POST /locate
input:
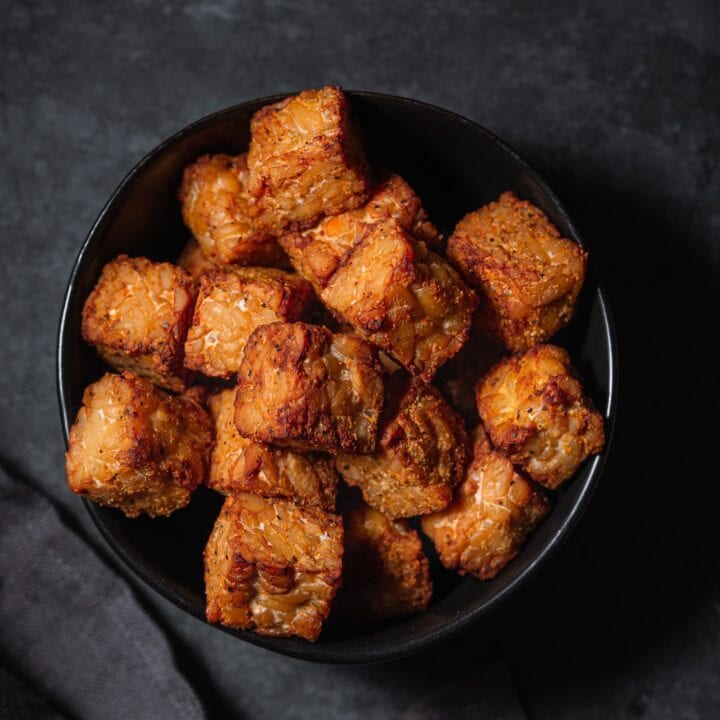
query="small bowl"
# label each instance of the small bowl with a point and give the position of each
(455, 166)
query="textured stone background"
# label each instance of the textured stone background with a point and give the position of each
(617, 104)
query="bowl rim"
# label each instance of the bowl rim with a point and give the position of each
(415, 643)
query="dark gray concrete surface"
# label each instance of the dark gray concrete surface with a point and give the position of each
(617, 105)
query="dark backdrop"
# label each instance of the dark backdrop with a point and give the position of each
(616, 104)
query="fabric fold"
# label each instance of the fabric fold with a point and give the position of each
(72, 629)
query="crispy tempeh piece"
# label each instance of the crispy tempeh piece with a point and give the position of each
(137, 448)
(305, 161)
(494, 511)
(421, 455)
(391, 289)
(231, 303)
(318, 253)
(137, 317)
(385, 571)
(528, 277)
(216, 209)
(272, 566)
(302, 387)
(538, 415)
(392, 197)
(242, 465)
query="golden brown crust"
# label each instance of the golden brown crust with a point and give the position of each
(272, 566)
(194, 260)
(319, 252)
(391, 289)
(393, 198)
(137, 317)
(421, 455)
(231, 303)
(216, 209)
(137, 448)
(494, 511)
(538, 415)
(242, 465)
(305, 161)
(302, 387)
(385, 572)
(527, 275)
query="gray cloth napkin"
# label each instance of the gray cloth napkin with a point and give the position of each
(19, 702)
(73, 640)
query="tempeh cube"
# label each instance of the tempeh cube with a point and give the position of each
(216, 209)
(527, 275)
(137, 448)
(302, 387)
(393, 198)
(239, 464)
(394, 292)
(421, 454)
(272, 566)
(231, 303)
(137, 318)
(385, 571)
(538, 415)
(318, 253)
(305, 161)
(403, 298)
(494, 511)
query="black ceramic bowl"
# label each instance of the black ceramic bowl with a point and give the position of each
(455, 166)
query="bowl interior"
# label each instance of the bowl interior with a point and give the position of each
(455, 166)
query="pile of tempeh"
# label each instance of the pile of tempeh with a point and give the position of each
(275, 382)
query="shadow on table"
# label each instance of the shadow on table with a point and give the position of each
(644, 561)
